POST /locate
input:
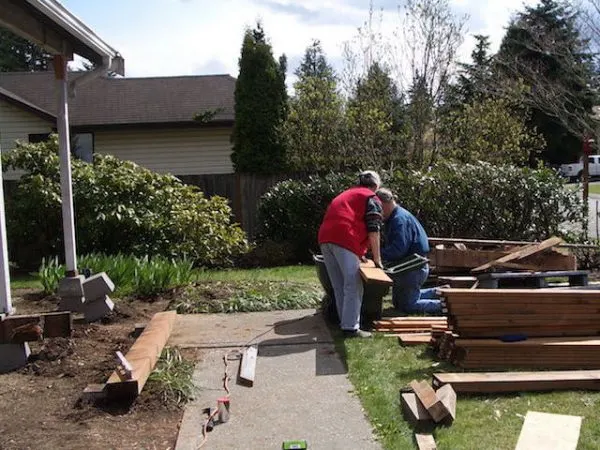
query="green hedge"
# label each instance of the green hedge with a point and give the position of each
(120, 207)
(451, 200)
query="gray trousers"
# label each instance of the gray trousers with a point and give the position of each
(343, 268)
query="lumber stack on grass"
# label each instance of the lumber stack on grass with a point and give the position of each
(493, 313)
(410, 324)
(142, 356)
(534, 353)
(497, 382)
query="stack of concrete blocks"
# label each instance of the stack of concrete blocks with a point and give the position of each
(87, 295)
(13, 356)
(97, 304)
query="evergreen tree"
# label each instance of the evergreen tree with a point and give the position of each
(542, 47)
(474, 78)
(314, 128)
(260, 107)
(20, 55)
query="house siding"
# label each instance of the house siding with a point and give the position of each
(16, 123)
(190, 151)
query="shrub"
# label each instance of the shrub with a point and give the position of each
(470, 201)
(120, 207)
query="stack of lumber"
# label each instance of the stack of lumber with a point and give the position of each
(412, 330)
(494, 313)
(458, 256)
(527, 328)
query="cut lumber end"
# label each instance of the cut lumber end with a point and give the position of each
(447, 396)
(428, 397)
(414, 412)
(375, 275)
(138, 329)
(248, 366)
(425, 442)
(94, 392)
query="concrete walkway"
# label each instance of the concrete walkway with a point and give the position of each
(301, 390)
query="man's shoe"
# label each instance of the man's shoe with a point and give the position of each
(357, 334)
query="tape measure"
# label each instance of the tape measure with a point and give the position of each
(294, 445)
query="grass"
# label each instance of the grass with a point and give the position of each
(25, 281)
(172, 378)
(379, 367)
(299, 274)
(594, 188)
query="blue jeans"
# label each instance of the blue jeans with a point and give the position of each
(343, 268)
(408, 296)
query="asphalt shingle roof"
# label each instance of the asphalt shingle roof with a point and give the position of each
(128, 101)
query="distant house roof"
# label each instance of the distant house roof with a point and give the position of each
(127, 101)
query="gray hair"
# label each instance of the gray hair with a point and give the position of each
(369, 179)
(385, 195)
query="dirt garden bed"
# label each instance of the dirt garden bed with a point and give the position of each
(40, 404)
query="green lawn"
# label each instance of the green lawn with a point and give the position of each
(595, 189)
(378, 368)
(25, 282)
(299, 274)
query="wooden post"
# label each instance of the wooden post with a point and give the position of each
(587, 150)
(66, 188)
(5, 298)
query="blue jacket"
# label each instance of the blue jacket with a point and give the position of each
(404, 236)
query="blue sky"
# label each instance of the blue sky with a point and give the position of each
(193, 37)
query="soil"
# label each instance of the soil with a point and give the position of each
(41, 407)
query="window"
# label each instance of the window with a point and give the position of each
(82, 146)
(37, 138)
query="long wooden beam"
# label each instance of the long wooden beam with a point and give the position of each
(142, 356)
(435, 240)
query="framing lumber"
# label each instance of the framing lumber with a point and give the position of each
(491, 242)
(499, 382)
(425, 442)
(142, 356)
(248, 365)
(13, 329)
(407, 339)
(521, 253)
(447, 396)
(430, 400)
(414, 412)
(549, 431)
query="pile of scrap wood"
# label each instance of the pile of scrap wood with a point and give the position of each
(529, 328)
(461, 256)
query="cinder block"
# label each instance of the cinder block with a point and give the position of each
(73, 304)
(97, 286)
(71, 286)
(97, 309)
(13, 356)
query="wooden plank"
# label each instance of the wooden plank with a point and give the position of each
(497, 242)
(492, 382)
(430, 400)
(142, 356)
(414, 339)
(549, 432)
(26, 328)
(248, 365)
(521, 253)
(447, 396)
(425, 442)
(413, 411)
(375, 275)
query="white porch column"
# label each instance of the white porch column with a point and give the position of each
(66, 189)
(5, 299)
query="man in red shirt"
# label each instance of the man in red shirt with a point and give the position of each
(351, 227)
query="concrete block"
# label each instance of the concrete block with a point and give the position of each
(73, 304)
(71, 286)
(13, 356)
(97, 286)
(97, 309)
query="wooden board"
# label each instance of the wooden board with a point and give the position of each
(430, 400)
(413, 411)
(497, 242)
(549, 432)
(447, 396)
(425, 442)
(375, 275)
(142, 356)
(497, 382)
(51, 325)
(521, 253)
(248, 365)
(407, 339)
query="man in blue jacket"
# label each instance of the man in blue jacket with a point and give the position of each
(404, 236)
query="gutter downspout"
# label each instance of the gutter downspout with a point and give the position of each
(89, 76)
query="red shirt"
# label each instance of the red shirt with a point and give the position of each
(344, 222)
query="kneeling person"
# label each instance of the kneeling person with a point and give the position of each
(404, 236)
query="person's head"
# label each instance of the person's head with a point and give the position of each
(369, 179)
(387, 200)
